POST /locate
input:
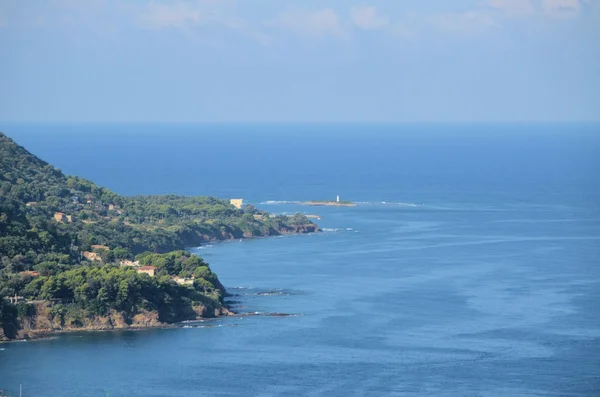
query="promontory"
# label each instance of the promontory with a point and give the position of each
(77, 256)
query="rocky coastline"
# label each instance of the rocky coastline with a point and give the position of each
(142, 321)
(77, 257)
(43, 326)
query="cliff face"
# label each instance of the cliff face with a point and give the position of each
(299, 229)
(44, 323)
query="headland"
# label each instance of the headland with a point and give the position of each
(76, 256)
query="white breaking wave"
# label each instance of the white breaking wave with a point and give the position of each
(280, 202)
(347, 229)
(275, 202)
(388, 203)
(402, 204)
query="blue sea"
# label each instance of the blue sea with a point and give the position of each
(471, 266)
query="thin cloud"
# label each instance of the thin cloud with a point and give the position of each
(175, 15)
(464, 23)
(514, 8)
(561, 8)
(593, 5)
(242, 26)
(366, 18)
(78, 4)
(324, 22)
(187, 15)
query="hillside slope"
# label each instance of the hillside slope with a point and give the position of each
(62, 239)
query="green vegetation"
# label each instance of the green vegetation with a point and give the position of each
(50, 223)
(9, 324)
(89, 291)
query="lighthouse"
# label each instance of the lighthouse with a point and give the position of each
(338, 198)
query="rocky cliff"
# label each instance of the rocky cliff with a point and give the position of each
(45, 323)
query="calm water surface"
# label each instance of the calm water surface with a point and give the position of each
(470, 268)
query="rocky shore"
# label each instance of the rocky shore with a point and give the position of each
(42, 325)
(111, 323)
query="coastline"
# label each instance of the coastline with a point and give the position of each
(25, 335)
(81, 241)
(48, 333)
(42, 335)
(232, 239)
(33, 336)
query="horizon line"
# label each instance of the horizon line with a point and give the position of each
(302, 122)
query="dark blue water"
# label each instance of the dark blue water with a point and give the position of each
(470, 268)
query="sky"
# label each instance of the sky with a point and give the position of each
(389, 61)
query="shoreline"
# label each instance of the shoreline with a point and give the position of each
(34, 335)
(49, 333)
(38, 336)
(250, 238)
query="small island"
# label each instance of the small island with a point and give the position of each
(331, 203)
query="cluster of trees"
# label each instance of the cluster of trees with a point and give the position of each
(32, 192)
(9, 323)
(170, 208)
(87, 291)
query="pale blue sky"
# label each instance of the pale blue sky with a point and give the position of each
(309, 61)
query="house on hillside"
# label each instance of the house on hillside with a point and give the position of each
(15, 299)
(29, 273)
(149, 270)
(183, 281)
(92, 256)
(100, 247)
(60, 217)
(126, 262)
(237, 203)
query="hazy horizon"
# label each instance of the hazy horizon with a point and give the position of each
(199, 61)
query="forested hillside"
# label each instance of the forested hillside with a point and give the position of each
(64, 242)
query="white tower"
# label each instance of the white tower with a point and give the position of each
(338, 198)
